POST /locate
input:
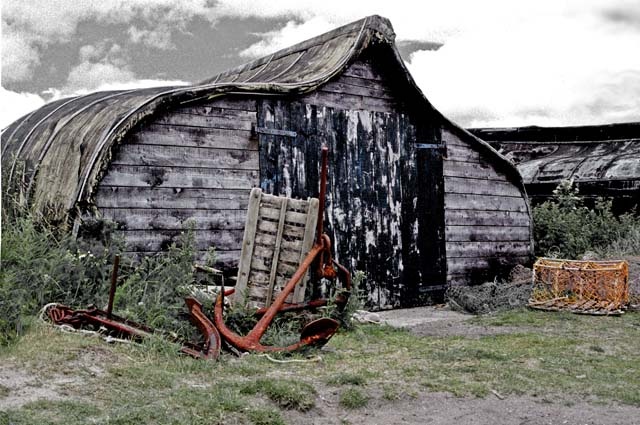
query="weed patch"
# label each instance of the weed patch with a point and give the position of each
(265, 417)
(353, 398)
(347, 379)
(286, 394)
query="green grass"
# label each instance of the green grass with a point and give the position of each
(353, 398)
(287, 394)
(556, 357)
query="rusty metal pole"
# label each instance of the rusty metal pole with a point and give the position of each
(323, 191)
(114, 281)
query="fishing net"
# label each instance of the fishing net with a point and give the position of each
(498, 295)
(592, 287)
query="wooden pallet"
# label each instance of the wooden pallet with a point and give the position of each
(278, 235)
(592, 307)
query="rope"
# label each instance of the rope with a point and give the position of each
(310, 360)
(44, 310)
(70, 329)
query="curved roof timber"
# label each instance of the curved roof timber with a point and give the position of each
(584, 154)
(58, 153)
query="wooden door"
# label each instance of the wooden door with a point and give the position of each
(431, 237)
(378, 216)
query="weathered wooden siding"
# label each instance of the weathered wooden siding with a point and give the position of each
(373, 189)
(487, 221)
(194, 165)
(387, 209)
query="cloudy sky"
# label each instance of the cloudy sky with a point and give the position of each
(482, 63)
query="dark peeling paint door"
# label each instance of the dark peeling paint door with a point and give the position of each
(378, 219)
(429, 213)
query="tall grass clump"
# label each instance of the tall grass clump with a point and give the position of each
(564, 227)
(40, 264)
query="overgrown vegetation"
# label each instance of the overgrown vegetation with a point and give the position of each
(565, 228)
(356, 301)
(41, 264)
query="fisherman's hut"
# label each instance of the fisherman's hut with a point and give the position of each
(414, 201)
(601, 160)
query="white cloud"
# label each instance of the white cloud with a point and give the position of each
(573, 72)
(13, 105)
(160, 38)
(89, 76)
(290, 34)
(503, 62)
(19, 57)
(30, 26)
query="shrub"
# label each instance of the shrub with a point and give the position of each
(564, 227)
(42, 264)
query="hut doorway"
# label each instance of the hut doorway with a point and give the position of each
(385, 199)
(431, 232)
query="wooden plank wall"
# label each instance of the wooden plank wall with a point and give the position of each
(192, 166)
(487, 221)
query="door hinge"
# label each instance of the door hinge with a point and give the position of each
(441, 148)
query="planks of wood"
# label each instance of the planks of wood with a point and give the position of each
(361, 69)
(230, 119)
(487, 249)
(459, 152)
(480, 187)
(381, 87)
(178, 198)
(227, 259)
(171, 135)
(469, 265)
(158, 240)
(223, 102)
(343, 101)
(450, 139)
(277, 235)
(373, 90)
(474, 170)
(179, 177)
(487, 233)
(175, 219)
(484, 202)
(486, 218)
(130, 154)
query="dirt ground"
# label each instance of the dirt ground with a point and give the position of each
(438, 408)
(21, 387)
(446, 409)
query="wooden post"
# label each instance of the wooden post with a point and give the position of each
(114, 282)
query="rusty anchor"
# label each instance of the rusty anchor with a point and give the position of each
(120, 327)
(315, 333)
